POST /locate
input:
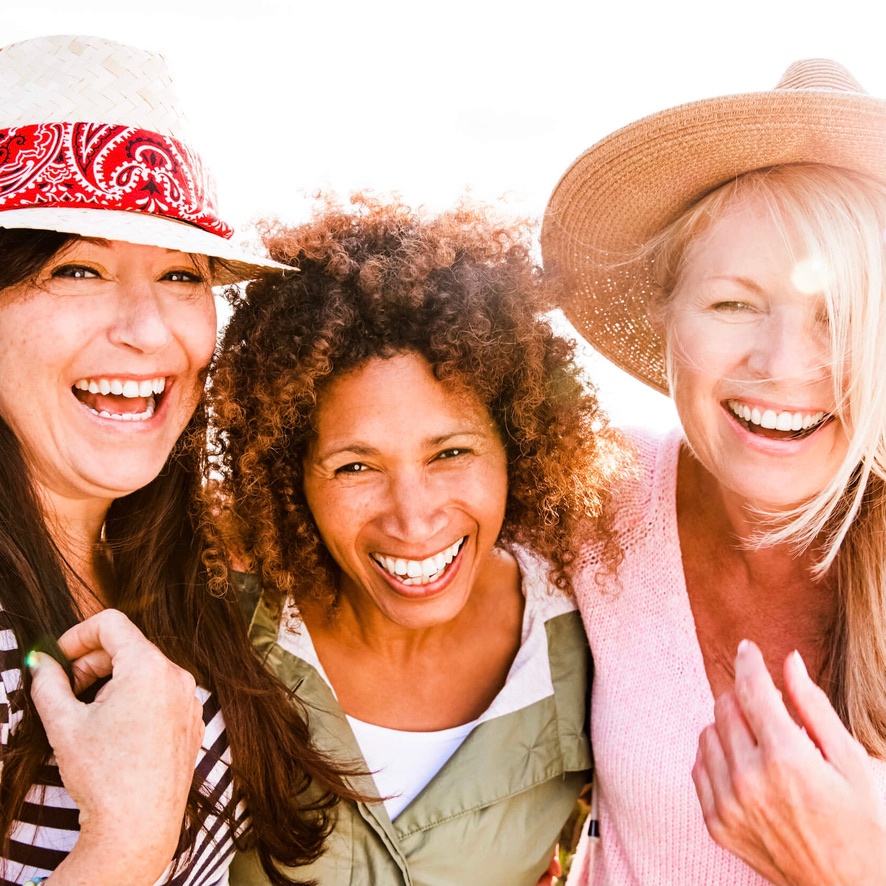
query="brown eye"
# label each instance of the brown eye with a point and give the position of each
(75, 272)
(183, 277)
(447, 454)
(354, 467)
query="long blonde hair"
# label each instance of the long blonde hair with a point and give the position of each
(839, 219)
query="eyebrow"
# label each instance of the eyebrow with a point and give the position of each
(364, 449)
(746, 282)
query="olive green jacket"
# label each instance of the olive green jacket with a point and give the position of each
(492, 814)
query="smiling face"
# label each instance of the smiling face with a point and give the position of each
(407, 482)
(102, 364)
(748, 339)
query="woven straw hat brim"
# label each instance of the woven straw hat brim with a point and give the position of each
(149, 230)
(633, 183)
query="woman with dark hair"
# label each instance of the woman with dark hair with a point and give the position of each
(110, 246)
(409, 463)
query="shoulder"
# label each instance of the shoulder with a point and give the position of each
(653, 479)
(542, 596)
(642, 506)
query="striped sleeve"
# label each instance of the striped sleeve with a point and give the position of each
(50, 822)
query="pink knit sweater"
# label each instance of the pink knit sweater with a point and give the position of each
(651, 699)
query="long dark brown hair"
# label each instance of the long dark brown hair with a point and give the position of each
(161, 585)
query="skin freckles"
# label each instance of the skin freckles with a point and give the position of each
(104, 309)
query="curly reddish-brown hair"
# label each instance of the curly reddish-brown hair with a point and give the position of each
(375, 280)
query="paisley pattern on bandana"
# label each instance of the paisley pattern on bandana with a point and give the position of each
(106, 167)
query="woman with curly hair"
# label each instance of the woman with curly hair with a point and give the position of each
(409, 463)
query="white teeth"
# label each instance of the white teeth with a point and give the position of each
(126, 416)
(129, 388)
(784, 421)
(779, 421)
(418, 572)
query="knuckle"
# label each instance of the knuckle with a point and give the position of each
(723, 705)
(779, 767)
(729, 810)
(113, 617)
(716, 828)
(745, 789)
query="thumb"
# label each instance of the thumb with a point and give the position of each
(818, 717)
(51, 692)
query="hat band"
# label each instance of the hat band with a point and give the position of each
(105, 166)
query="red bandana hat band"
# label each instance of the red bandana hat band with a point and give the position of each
(102, 166)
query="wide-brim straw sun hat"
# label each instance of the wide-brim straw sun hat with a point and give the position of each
(93, 142)
(628, 187)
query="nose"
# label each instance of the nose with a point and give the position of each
(790, 345)
(139, 322)
(414, 510)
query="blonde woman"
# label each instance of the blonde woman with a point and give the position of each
(731, 253)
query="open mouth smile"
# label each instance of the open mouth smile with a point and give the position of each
(783, 425)
(419, 572)
(120, 399)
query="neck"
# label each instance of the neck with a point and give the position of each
(738, 589)
(76, 529)
(738, 525)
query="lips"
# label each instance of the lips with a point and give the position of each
(120, 399)
(778, 425)
(419, 572)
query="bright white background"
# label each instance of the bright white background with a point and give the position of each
(433, 99)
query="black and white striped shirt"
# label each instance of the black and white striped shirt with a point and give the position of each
(49, 825)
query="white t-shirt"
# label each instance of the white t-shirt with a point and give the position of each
(402, 763)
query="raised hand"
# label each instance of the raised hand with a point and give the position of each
(796, 802)
(127, 758)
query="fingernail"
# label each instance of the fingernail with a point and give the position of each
(744, 646)
(798, 661)
(32, 660)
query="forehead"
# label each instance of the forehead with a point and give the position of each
(749, 240)
(397, 392)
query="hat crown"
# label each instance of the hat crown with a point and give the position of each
(819, 73)
(83, 79)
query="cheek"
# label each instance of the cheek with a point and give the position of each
(197, 325)
(338, 514)
(491, 494)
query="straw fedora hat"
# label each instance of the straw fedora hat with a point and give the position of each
(634, 182)
(92, 142)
